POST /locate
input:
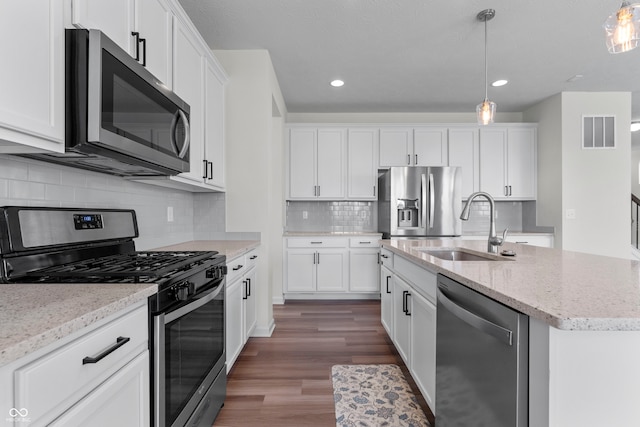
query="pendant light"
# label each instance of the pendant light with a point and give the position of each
(623, 28)
(486, 110)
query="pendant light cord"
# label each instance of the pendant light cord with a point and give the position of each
(486, 67)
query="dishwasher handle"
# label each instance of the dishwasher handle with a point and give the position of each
(504, 335)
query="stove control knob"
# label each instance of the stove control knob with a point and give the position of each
(182, 291)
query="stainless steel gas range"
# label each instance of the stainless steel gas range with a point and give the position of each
(186, 316)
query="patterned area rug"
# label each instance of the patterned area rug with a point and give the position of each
(374, 396)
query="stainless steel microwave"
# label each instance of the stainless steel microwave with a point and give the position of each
(119, 118)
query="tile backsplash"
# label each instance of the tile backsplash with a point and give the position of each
(331, 216)
(26, 182)
(354, 216)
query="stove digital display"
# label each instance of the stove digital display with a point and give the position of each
(87, 221)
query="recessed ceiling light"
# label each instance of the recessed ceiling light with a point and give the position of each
(499, 83)
(635, 126)
(337, 83)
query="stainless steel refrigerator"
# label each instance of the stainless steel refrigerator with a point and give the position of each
(419, 202)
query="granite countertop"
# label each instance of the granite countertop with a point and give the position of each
(567, 290)
(35, 315)
(230, 248)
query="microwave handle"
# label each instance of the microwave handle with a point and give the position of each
(187, 133)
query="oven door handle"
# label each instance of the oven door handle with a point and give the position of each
(198, 302)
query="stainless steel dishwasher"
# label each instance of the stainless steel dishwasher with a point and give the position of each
(482, 360)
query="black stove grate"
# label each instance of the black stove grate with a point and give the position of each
(136, 267)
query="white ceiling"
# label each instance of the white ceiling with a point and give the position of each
(421, 55)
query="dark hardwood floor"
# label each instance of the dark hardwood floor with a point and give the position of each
(285, 380)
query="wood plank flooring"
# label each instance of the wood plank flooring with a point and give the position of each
(285, 380)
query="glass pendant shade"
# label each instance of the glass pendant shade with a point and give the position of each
(486, 112)
(623, 28)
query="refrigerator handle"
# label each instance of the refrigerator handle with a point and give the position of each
(432, 200)
(423, 202)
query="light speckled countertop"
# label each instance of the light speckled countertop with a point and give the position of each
(567, 290)
(229, 248)
(330, 233)
(35, 315)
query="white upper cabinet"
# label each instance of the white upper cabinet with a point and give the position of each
(32, 77)
(430, 146)
(463, 152)
(214, 127)
(115, 18)
(420, 146)
(154, 23)
(317, 163)
(188, 84)
(508, 162)
(362, 173)
(396, 147)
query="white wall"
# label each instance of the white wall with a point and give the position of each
(254, 164)
(548, 115)
(595, 183)
(396, 117)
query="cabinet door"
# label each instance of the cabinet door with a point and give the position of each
(463, 152)
(155, 25)
(364, 270)
(32, 77)
(521, 163)
(234, 327)
(250, 314)
(331, 163)
(122, 400)
(188, 83)
(362, 166)
(430, 146)
(214, 127)
(302, 163)
(395, 145)
(301, 270)
(423, 346)
(386, 300)
(331, 268)
(115, 18)
(401, 318)
(493, 161)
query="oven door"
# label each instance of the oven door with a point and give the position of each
(190, 361)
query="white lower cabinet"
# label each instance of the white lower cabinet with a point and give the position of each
(330, 266)
(409, 311)
(78, 381)
(241, 309)
(386, 299)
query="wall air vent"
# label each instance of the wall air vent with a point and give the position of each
(598, 132)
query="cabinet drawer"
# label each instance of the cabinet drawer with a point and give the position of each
(68, 370)
(252, 259)
(386, 257)
(423, 280)
(364, 242)
(318, 242)
(236, 267)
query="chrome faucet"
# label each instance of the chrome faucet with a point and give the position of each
(494, 241)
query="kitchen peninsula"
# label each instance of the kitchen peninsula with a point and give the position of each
(584, 325)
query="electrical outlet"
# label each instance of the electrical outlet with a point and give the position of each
(570, 214)
(305, 214)
(169, 213)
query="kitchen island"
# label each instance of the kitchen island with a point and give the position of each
(584, 325)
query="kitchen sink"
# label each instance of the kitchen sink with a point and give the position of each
(460, 254)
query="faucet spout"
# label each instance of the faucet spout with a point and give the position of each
(494, 241)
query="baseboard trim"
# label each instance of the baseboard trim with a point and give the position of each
(277, 299)
(333, 296)
(264, 332)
